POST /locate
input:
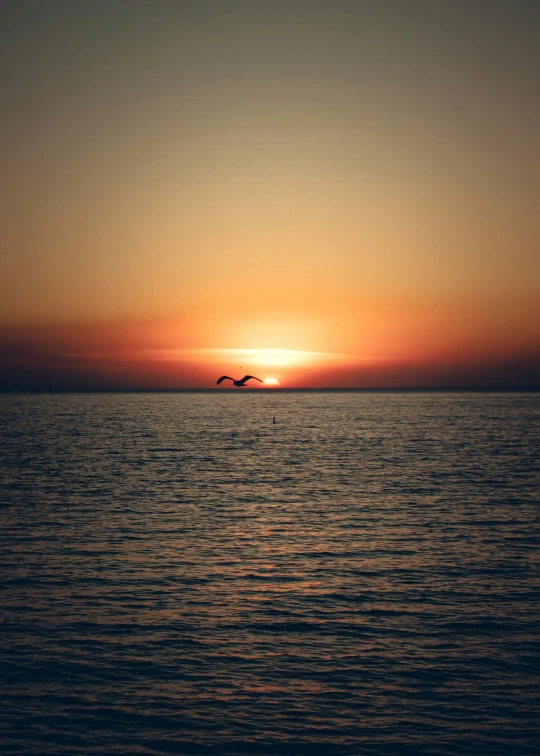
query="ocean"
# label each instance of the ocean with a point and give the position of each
(182, 575)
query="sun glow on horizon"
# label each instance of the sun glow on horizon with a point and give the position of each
(271, 382)
(256, 357)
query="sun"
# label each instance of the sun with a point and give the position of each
(271, 382)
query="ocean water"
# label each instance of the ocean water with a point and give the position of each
(180, 575)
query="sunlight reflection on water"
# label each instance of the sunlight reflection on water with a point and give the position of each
(182, 576)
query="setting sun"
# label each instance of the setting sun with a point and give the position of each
(271, 382)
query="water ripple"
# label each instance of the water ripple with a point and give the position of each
(179, 575)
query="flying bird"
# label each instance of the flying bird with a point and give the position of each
(239, 384)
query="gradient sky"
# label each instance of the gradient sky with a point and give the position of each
(351, 184)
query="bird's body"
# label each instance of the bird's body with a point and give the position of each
(239, 384)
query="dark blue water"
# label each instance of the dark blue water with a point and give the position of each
(179, 575)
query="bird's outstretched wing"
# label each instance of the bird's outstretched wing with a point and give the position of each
(246, 378)
(223, 377)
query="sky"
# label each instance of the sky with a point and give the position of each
(329, 193)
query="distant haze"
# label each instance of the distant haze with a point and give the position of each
(189, 184)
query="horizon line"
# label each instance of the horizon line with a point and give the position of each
(279, 389)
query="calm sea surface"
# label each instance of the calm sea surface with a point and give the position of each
(179, 575)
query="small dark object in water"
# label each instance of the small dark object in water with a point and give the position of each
(274, 420)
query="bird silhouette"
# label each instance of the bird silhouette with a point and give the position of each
(239, 384)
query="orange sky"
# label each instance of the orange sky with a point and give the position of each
(355, 183)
